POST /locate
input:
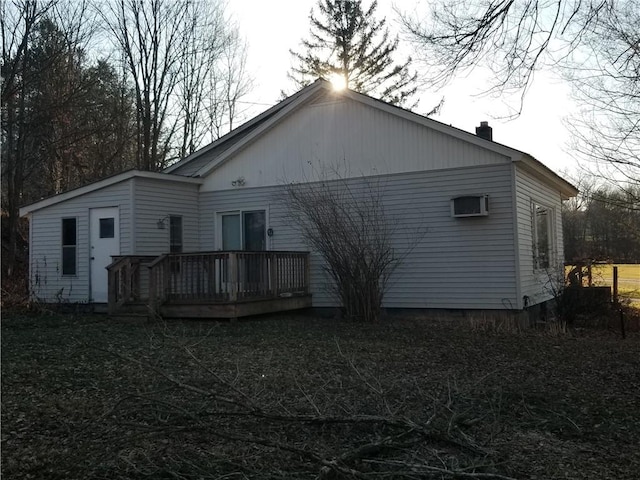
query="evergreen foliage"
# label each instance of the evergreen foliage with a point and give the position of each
(347, 40)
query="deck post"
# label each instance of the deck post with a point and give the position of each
(153, 290)
(124, 283)
(112, 295)
(307, 273)
(273, 277)
(233, 268)
(166, 278)
(135, 280)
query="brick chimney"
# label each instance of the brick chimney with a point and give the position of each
(485, 131)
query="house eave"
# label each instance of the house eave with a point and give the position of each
(105, 182)
(275, 114)
(449, 130)
(544, 173)
(323, 86)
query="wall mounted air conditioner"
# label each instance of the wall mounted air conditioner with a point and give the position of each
(470, 206)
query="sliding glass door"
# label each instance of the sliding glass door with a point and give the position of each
(245, 230)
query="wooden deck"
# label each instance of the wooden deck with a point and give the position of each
(210, 284)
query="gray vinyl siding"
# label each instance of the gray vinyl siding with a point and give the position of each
(347, 139)
(464, 263)
(535, 284)
(155, 199)
(47, 283)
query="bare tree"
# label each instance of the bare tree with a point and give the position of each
(203, 44)
(345, 222)
(172, 50)
(602, 223)
(149, 36)
(575, 222)
(512, 37)
(606, 133)
(593, 43)
(229, 82)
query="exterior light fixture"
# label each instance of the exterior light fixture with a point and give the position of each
(162, 222)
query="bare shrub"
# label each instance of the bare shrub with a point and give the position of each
(346, 223)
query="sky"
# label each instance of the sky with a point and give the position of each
(273, 27)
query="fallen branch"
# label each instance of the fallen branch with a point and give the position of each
(413, 469)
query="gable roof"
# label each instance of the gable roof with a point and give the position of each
(201, 163)
(193, 164)
(105, 182)
(209, 158)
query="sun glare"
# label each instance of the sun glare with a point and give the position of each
(338, 81)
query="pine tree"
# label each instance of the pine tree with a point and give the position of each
(348, 41)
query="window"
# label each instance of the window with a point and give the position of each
(69, 246)
(231, 232)
(175, 241)
(107, 227)
(254, 231)
(541, 226)
(175, 234)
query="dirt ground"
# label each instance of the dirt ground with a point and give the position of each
(301, 397)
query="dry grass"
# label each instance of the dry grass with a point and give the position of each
(628, 278)
(94, 398)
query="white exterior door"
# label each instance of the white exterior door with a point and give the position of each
(104, 228)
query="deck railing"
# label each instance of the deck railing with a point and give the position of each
(128, 280)
(208, 277)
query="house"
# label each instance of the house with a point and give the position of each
(212, 231)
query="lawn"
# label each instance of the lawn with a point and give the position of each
(299, 397)
(628, 278)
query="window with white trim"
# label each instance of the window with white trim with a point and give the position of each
(542, 233)
(69, 246)
(175, 234)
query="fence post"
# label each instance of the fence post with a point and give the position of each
(615, 285)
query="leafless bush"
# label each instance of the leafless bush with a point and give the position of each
(346, 223)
